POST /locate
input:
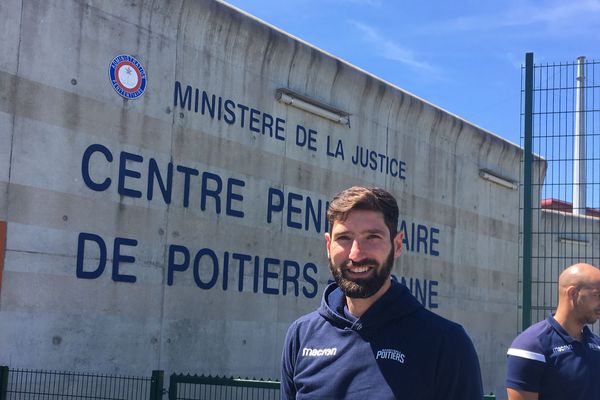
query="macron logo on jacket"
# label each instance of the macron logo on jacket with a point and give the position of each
(562, 349)
(308, 352)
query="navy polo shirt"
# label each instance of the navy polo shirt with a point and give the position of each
(545, 359)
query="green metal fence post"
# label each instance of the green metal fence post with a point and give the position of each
(156, 385)
(3, 381)
(527, 192)
(173, 387)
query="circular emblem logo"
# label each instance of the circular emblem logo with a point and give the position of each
(127, 76)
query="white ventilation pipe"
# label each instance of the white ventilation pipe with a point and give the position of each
(579, 165)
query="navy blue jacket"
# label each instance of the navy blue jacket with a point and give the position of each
(396, 350)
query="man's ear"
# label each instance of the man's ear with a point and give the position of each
(398, 243)
(572, 292)
(327, 241)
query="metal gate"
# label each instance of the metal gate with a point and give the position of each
(187, 387)
(29, 384)
(560, 202)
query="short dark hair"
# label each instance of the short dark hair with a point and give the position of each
(364, 198)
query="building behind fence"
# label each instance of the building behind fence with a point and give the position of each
(561, 116)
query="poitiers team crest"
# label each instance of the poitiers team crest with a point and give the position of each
(127, 76)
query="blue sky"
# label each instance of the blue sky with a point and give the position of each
(463, 56)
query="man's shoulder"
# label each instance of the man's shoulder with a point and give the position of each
(534, 343)
(436, 323)
(307, 320)
(434, 327)
(311, 325)
(534, 336)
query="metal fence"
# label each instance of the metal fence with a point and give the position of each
(186, 387)
(25, 384)
(561, 168)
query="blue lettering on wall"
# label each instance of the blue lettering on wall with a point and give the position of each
(379, 162)
(215, 192)
(420, 238)
(125, 172)
(209, 266)
(183, 100)
(81, 243)
(242, 259)
(187, 173)
(233, 196)
(290, 277)
(85, 167)
(173, 266)
(255, 274)
(292, 210)
(306, 138)
(434, 241)
(301, 211)
(258, 122)
(214, 272)
(132, 170)
(135, 173)
(154, 174)
(91, 239)
(119, 258)
(270, 275)
(310, 280)
(219, 108)
(424, 290)
(266, 271)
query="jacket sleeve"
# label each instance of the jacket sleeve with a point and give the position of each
(288, 364)
(458, 374)
(526, 364)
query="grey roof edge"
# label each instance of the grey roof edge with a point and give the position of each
(304, 42)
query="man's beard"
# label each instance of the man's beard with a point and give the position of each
(362, 288)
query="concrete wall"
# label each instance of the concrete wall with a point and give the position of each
(56, 101)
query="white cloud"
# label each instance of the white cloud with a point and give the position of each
(390, 50)
(574, 14)
(517, 61)
(563, 12)
(371, 3)
(368, 3)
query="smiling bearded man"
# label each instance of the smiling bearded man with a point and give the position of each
(371, 339)
(361, 287)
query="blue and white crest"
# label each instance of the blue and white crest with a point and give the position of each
(127, 76)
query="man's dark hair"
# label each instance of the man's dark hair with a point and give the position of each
(364, 198)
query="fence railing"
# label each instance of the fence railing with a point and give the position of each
(27, 384)
(186, 387)
(36, 384)
(561, 178)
